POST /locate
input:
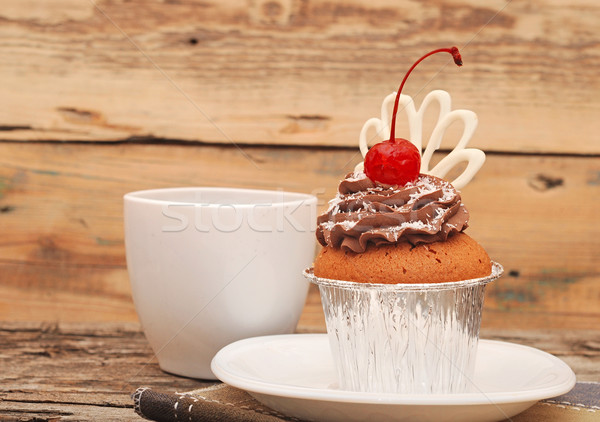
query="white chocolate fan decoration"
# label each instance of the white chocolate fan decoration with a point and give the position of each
(474, 157)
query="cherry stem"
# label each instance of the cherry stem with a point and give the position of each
(457, 60)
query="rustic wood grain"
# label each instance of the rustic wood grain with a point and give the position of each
(62, 255)
(86, 372)
(77, 372)
(295, 72)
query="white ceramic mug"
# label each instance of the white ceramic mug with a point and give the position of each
(209, 266)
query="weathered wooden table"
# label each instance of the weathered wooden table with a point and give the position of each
(87, 371)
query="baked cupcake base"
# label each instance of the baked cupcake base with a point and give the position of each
(458, 258)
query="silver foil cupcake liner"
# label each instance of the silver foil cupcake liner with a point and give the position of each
(404, 338)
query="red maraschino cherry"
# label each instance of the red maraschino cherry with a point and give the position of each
(397, 161)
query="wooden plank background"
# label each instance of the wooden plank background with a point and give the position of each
(104, 97)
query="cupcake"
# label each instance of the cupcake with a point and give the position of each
(377, 233)
(401, 283)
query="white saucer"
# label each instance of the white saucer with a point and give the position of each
(294, 375)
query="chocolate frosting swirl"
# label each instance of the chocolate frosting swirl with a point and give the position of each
(425, 211)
